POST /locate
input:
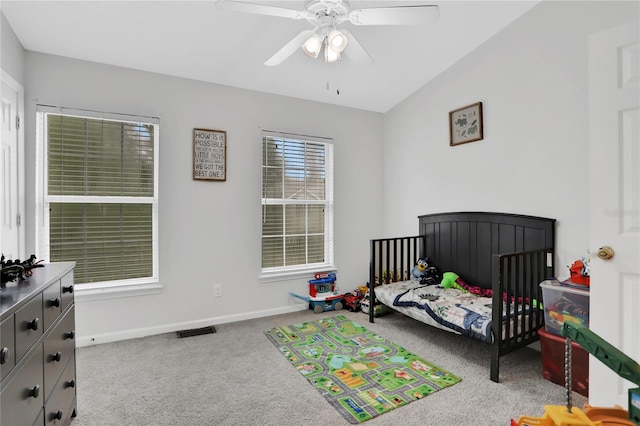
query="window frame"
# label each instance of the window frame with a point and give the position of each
(295, 271)
(103, 289)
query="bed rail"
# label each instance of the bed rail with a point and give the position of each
(517, 278)
(392, 260)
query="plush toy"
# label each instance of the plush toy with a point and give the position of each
(424, 273)
(449, 280)
(420, 269)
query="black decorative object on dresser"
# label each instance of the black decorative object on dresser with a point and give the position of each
(37, 341)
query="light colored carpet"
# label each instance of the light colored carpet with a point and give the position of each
(237, 377)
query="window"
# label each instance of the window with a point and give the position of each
(97, 194)
(297, 203)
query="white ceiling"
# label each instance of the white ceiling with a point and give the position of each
(197, 40)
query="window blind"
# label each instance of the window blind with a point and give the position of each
(100, 195)
(297, 202)
(99, 157)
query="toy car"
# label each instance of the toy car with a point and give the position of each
(378, 308)
(352, 301)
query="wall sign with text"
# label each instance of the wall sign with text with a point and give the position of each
(209, 154)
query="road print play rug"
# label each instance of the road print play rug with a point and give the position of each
(359, 372)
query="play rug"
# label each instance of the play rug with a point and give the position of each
(359, 372)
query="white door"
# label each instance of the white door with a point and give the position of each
(614, 152)
(10, 234)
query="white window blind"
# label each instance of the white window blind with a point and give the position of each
(98, 193)
(297, 202)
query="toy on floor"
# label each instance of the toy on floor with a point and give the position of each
(353, 300)
(323, 295)
(613, 358)
(379, 309)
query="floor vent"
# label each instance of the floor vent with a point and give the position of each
(196, 331)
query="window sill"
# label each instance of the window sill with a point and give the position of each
(103, 291)
(307, 274)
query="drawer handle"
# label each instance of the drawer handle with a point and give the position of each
(70, 384)
(56, 357)
(55, 302)
(68, 289)
(33, 324)
(5, 354)
(35, 392)
(57, 415)
(70, 335)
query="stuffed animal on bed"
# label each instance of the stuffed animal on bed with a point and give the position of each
(449, 280)
(453, 280)
(424, 273)
(420, 269)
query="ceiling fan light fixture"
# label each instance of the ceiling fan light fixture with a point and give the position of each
(337, 41)
(313, 46)
(329, 54)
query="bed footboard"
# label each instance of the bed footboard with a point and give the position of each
(391, 259)
(516, 306)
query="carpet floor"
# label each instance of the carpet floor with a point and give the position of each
(236, 377)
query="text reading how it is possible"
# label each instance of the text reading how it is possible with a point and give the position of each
(209, 154)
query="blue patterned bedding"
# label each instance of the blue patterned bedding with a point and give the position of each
(449, 309)
(466, 313)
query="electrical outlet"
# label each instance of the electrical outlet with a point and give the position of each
(217, 290)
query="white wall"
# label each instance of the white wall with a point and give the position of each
(532, 81)
(531, 78)
(11, 51)
(210, 231)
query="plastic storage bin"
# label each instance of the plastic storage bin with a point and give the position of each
(552, 349)
(564, 303)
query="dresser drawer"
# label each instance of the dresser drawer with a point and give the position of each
(28, 326)
(7, 346)
(66, 289)
(59, 348)
(58, 408)
(40, 420)
(51, 304)
(22, 399)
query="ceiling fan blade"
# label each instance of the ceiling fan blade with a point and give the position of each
(289, 48)
(355, 51)
(261, 9)
(395, 15)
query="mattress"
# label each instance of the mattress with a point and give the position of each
(448, 309)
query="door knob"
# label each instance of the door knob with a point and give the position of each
(605, 253)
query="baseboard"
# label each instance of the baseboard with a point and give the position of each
(170, 328)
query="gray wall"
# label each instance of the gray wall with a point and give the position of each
(390, 168)
(532, 80)
(11, 52)
(210, 231)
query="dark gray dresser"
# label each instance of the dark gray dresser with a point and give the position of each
(37, 348)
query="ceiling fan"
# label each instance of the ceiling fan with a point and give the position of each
(326, 16)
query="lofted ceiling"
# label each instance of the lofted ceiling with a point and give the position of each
(198, 40)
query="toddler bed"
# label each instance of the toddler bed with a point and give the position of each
(501, 260)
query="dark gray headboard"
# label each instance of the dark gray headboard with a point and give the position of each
(465, 242)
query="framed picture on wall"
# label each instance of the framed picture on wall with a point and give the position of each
(465, 124)
(209, 154)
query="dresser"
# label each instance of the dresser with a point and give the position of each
(37, 348)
